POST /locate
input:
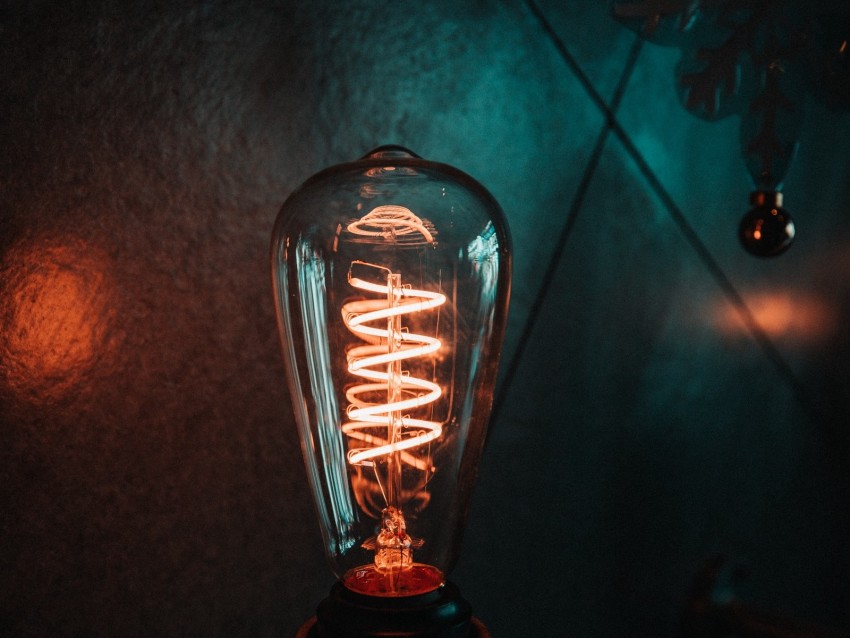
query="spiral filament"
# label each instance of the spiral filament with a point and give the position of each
(384, 425)
(398, 223)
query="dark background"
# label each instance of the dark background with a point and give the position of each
(665, 396)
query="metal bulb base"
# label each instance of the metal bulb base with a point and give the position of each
(442, 613)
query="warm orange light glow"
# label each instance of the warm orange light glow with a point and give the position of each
(783, 314)
(54, 316)
(385, 437)
(390, 221)
(377, 321)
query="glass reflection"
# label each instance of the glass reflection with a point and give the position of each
(315, 320)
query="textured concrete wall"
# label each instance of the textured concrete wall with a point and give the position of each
(150, 476)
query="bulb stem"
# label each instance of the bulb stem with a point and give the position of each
(394, 386)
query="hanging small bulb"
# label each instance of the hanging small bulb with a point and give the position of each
(767, 229)
(769, 136)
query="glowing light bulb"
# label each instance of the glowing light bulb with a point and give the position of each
(391, 277)
(767, 229)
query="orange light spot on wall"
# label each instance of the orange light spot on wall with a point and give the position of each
(789, 315)
(55, 315)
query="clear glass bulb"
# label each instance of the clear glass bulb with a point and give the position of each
(392, 278)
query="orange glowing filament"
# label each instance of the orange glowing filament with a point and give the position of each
(378, 363)
(384, 436)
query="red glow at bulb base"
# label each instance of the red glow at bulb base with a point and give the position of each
(416, 580)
